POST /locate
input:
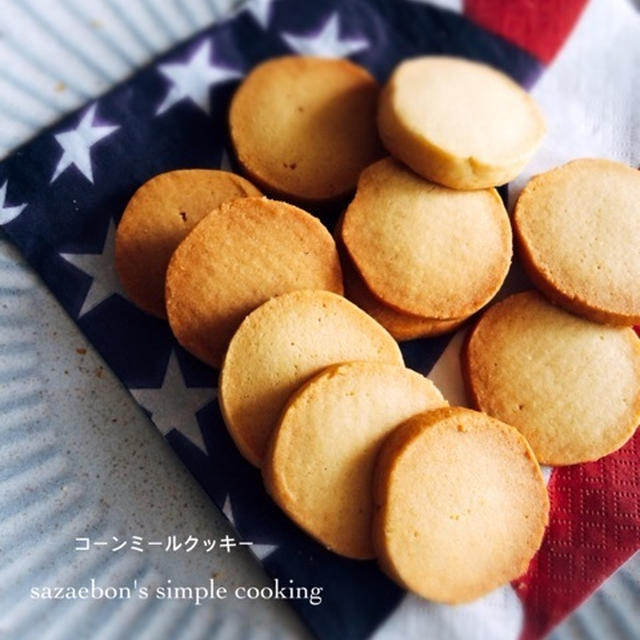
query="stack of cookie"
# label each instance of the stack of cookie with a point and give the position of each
(361, 452)
(203, 248)
(562, 364)
(570, 384)
(426, 242)
(419, 257)
(365, 455)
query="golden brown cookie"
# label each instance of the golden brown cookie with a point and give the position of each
(571, 386)
(577, 228)
(402, 326)
(460, 505)
(457, 122)
(158, 217)
(320, 461)
(425, 249)
(282, 344)
(303, 128)
(238, 257)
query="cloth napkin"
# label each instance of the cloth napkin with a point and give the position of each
(62, 194)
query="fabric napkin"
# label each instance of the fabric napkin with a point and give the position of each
(62, 194)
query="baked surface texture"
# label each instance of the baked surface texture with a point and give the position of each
(577, 228)
(282, 344)
(158, 217)
(303, 128)
(402, 326)
(457, 122)
(569, 385)
(240, 255)
(320, 462)
(460, 505)
(425, 249)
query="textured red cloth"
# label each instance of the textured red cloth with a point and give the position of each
(594, 527)
(538, 26)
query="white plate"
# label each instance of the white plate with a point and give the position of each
(66, 470)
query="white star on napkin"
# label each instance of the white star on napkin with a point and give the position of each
(260, 10)
(261, 551)
(193, 79)
(326, 42)
(7, 213)
(76, 144)
(101, 268)
(225, 161)
(174, 405)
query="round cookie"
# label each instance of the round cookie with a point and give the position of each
(281, 345)
(303, 128)
(402, 326)
(460, 505)
(236, 258)
(577, 228)
(425, 249)
(158, 217)
(320, 462)
(571, 386)
(459, 123)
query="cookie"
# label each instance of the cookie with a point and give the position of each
(460, 505)
(281, 345)
(402, 326)
(457, 122)
(240, 255)
(303, 128)
(320, 461)
(571, 386)
(577, 229)
(425, 249)
(157, 218)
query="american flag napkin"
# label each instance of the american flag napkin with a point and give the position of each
(61, 197)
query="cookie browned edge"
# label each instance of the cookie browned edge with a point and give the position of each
(217, 363)
(395, 443)
(401, 325)
(435, 163)
(322, 205)
(469, 311)
(273, 487)
(544, 283)
(465, 369)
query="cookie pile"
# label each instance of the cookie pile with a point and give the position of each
(158, 217)
(421, 257)
(285, 342)
(570, 384)
(240, 255)
(563, 365)
(426, 242)
(362, 453)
